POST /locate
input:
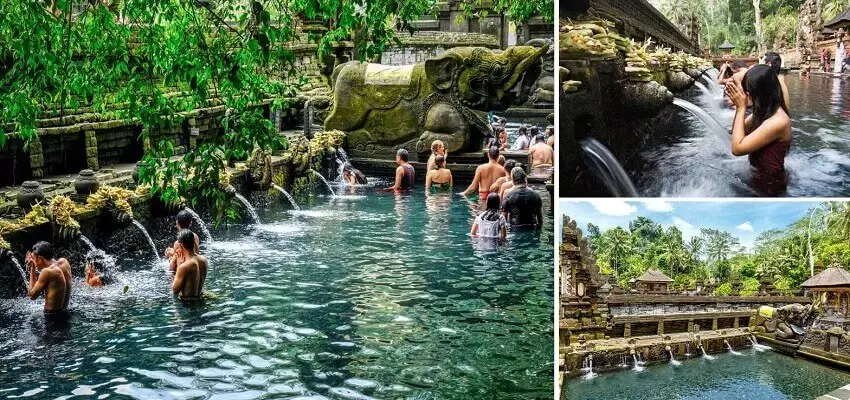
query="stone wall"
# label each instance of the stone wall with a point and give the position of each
(421, 46)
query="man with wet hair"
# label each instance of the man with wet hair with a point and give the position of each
(522, 207)
(550, 133)
(541, 155)
(54, 280)
(191, 273)
(97, 272)
(486, 175)
(404, 173)
(184, 221)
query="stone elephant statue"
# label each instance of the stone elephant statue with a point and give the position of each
(382, 108)
(788, 322)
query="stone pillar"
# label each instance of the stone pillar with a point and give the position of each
(714, 324)
(36, 158)
(91, 150)
(661, 327)
(736, 324)
(690, 325)
(627, 329)
(193, 133)
(458, 22)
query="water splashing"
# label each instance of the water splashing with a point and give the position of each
(758, 347)
(341, 160)
(718, 130)
(288, 196)
(588, 362)
(199, 222)
(331, 189)
(638, 364)
(249, 208)
(673, 360)
(731, 350)
(20, 268)
(702, 88)
(706, 355)
(147, 236)
(88, 242)
(605, 166)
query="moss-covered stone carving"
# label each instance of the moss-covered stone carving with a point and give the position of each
(382, 108)
(260, 168)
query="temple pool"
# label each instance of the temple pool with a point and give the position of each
(752, 375)
(363, 296)
(690, 161)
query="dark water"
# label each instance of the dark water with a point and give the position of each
(752, 375)
(692, 162)
(368, 296)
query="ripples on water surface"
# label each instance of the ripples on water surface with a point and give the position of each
(695, 163)
(371, 296)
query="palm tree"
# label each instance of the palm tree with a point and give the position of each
(694, 248)
(617, 244)
(719, 244)
(839, 218)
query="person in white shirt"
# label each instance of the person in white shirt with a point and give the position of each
(490, 224)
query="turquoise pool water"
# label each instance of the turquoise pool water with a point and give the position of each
(365, 296)
(753, 375)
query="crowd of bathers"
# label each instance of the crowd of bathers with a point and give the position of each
(501, 184)
(51, 276)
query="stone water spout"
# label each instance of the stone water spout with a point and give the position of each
(673, 360)
(645, 100)
(638, 364)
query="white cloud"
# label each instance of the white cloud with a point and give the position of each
(745, 226)
(613, 207)
(658, 206)
(688, 230)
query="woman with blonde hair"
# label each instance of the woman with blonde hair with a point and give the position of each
(437, 149)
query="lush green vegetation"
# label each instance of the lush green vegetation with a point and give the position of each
(156, 60)
(779, 256)
(754, 26)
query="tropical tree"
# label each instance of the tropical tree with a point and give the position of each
(617, 244)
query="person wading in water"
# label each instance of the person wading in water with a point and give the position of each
(765, 135)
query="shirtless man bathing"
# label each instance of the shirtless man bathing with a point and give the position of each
(192, 271)
(53, 278)
(486, 175)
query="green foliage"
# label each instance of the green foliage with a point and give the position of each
(779, 255)
(157, 61)
(734, 21)
(750, 286)
(724, 289)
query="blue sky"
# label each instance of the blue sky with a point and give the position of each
(743, 219)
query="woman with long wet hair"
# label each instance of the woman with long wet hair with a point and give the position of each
(764, 135)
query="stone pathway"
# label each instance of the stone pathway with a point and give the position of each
(842, 393)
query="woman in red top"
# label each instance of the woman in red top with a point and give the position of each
(765, 135)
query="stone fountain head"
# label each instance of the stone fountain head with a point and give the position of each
(66, 234)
